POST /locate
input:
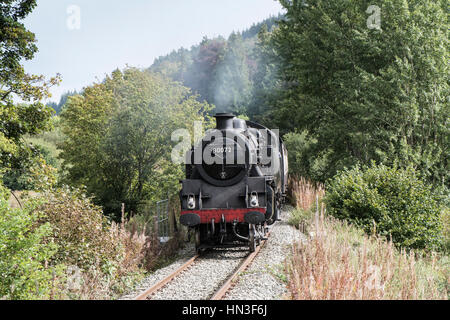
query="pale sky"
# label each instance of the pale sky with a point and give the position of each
(111, 34)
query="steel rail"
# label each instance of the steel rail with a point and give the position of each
(166, 280)
(228, 284)
(219, 294)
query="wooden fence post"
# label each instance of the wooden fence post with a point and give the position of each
(123, 213)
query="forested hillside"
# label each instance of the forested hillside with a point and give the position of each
(224, 72)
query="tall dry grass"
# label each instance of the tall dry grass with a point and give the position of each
(108, 281)
(305, 196)
(304, 193)
(338, 261)
(156, 254)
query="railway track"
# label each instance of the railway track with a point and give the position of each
(150, 291)
(218, 294)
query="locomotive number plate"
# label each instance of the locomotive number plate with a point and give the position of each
(222, 150)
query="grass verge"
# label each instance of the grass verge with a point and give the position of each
(338, 261)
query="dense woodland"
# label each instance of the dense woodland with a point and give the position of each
(363, 111)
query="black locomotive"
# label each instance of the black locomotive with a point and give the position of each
(236, 181)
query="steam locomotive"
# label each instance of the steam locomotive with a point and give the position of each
(236, 182)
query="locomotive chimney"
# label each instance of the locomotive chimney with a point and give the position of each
(224, 121)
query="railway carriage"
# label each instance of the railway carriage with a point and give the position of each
(236, 182)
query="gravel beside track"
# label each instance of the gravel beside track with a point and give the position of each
(183, 256)
(265, 278)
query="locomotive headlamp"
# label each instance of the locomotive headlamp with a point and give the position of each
(254, 200)
(191, 202)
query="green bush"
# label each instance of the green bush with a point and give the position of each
(84, 236)
(61, 236)
(24, 254)
(389, 201)
(445, 218)
(108, 256)
(301, 147)
(299, 217)
(4, 192)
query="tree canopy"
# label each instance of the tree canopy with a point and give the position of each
(31, 116)
(118, 137)
(365, 93)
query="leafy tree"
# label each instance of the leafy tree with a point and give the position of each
(267, 24)
(367, 94)
(46, 143)
(31, 117)
(175, 65)
(118, 137)
(301, 162)
(264, 79)
(84, 124)
(4, 192)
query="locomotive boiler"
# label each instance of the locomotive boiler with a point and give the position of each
(236, 182)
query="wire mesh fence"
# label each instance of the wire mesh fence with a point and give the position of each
(163, 223)
(158, 218)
